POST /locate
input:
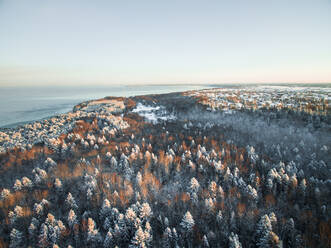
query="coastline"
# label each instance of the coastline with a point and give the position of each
(155, 152)
(29, 104)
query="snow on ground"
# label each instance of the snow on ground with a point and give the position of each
(153, 114)
(143, 108)
(314, 100)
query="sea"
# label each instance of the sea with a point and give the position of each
(20, 105)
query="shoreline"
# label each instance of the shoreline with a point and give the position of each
(160, 152)
(14, 125)
(68, 97)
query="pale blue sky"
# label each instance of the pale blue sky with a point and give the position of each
(47, 42)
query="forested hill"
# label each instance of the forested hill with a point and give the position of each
(223, 167)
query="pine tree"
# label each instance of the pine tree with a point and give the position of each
(105, 209)
(193, 186)
(26, 182)
(93, 235)
(43, 236)
(187, 222)
(122, 228)
(234, 241)
(289, 233)
(212, 189)
(33, 228)
(148, 234)
(16, 238)
(72, 219)
(58, 185)
(264, 228)
(187, 225)
(70, 202)
(273, 219)
(274, 240)
(130, 217)
(205, 242)
(5, 193)
(109, 240)
(145, 211)
(139, 239)
(139, 179)
(167, 238)
(18, 185)
(113, 162)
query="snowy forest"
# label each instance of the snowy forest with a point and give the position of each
(192, 169)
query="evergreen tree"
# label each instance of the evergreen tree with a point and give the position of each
(167, 238)
(70, 202)
(187, 222)
(205, 242)
(139, 239)
(16, 238)
(264, 228)
(234, 241)
(109, 240)
(72, 219)
(93, 236)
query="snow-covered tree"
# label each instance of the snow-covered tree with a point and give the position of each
(187, 222)
(58, 185)
(193, 186)
(16, 238)
(205, 242)
(40, 175)
(16, 214)
(70, 202)
(234, 241)
(113, 162)
(220, 192)
(130, 216)
(18, 185)
(50, 163)
(167, 238)
(139, 178)
(33, 228)
(145, 211)
(264, 227)
(121, 229)
(273, 219)
(5, 193)
(252, 192)
(175, 237)
(26, 182)
(93, 235)
(290, 233)
(209, 204)
(139, 239)
(38, 209)
(43, 236)
(148, 234)
(109, 240)
(72, 218)
(105, 209)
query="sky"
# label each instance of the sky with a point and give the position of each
(84, 42)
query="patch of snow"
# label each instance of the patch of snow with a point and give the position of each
(153, 114)
(143, 108)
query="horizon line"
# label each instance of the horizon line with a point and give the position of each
(158, 84)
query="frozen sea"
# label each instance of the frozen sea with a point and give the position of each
(24, 104)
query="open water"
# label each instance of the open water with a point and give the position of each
(19, 105)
